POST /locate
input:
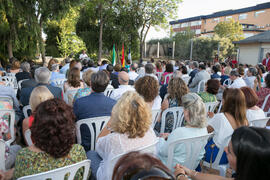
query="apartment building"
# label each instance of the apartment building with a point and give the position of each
(255, 19)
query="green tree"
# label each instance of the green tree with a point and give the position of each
(229, 29)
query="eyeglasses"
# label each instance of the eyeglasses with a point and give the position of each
(154, 172)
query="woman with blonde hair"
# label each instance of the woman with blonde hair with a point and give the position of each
(177, 88)
(15, 68)
(73, 82)
(223, 124)
(195, 118)
(128, 129)
(38, 95)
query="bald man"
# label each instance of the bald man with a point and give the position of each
(123, 79)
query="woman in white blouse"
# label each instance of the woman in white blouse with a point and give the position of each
(128, 130)
(253, 111)
(223, 124)
(195, 117)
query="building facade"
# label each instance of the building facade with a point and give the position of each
(254, 20)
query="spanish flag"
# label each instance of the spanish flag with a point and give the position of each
(123, 56)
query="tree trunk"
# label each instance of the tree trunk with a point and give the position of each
(141, 50)
(41, 43)
(9, 47)
(100, 34)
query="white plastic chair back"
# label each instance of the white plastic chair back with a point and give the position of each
(69, 95)
(10, 81)
(267, 98)
(7, 99)
(11, 116)
(159, 75)
(99, 123)
(59, 82)
(20, 83)
(2, 155)
(259, 122)
(27, 137)
(178, 115)
(219, 107)
(26, 111)
(211, 106)
(155, 116)
(167, 78)
(150, 149)
(193, 147)
(108, 92)
(186, 79)
(201, 86)
(227, 82)
(60, 173)
(215, 165)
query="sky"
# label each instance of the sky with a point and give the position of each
(190, 8)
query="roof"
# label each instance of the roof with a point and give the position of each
(258, 38)
(224, 13)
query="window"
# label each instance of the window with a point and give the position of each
(256, 14)
(195, 23)
(215, 20)
(242, 16)
(228, 18)
(176, 25)
(184, 25)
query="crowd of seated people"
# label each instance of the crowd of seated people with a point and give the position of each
(137, 90)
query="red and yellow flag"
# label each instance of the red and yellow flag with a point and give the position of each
(123, 56)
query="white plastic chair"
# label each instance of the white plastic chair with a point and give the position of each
(150, 149)
(267, 98)
(211, 106)
(108, 92)
(60, 173)
(27, 137)
(193, 147)
(227, 82)
(59, 82)
(11, 116)
(259, 122)
(178, 114)
(99, 123)
(201, 85)
(186, 79)
(155, 115)
(20, 83)
(168, 76)
(10, 81)
(2, 155)
(26, 109)
(159, 75)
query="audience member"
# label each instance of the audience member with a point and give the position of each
(223, 124)
(130, 123)
(42, 76)
(148, 87)
(168, 70)
(149, 71)
(158, 67)
(38, 95)
(15, 68)
(195, 118)
(177, 88)
(51, 62)
(135, 165)
(87, 90)
(266, 61)
(238, 82)
(53, 135)
(55, 73)
(25, 74)
(251, 76)
(132, 72)
(253, 111)
(215, 71)
(201, 75)
(226, 74)
(263, 92)
(104, 65)
(247, 152)
(211, 90)
(123, 80)
(194, 70)
(73, 82)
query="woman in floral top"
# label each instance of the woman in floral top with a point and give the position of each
(263, 92)
(211, 87)
(85, 91)
(53, 134)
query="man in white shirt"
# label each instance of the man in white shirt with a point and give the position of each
(123, 79)
(132, 73)
(83, 55)
(238, 82)
(149, 71)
